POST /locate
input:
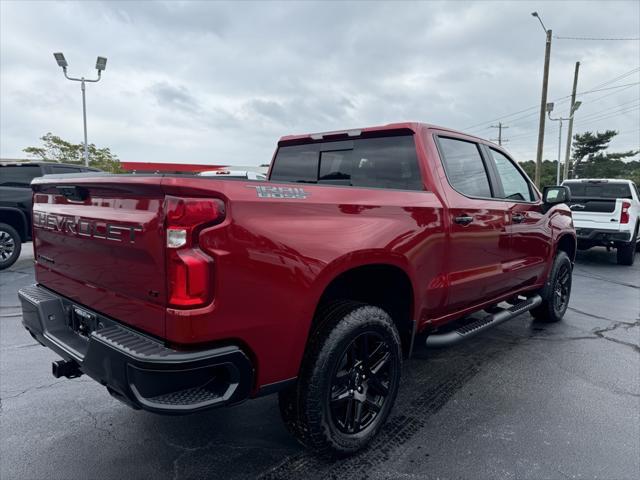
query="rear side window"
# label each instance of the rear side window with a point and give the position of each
(599, 190)
(18, 176)
(385, 162)
(514, 184)
(464, 167)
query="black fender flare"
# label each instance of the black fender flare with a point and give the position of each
(22, 229)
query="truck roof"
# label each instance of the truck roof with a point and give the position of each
(40, 163)
(598, 180)
(356, 132)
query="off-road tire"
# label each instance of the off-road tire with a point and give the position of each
(626, 252)
(10, 245)
(551, 310)
(306, 407)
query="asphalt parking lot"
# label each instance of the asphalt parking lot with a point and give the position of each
(524, 400)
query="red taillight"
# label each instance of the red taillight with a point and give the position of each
(190, 271)
(193, 212)
(189, 277)
(624, 215)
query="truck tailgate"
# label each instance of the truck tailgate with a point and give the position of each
(596, 213)
(100, 242)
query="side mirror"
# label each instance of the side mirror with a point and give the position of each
(555, 195)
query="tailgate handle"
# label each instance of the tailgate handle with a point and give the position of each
(73, 193)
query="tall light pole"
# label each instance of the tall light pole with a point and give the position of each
(101, 64)
(549, 109)
(543, 100)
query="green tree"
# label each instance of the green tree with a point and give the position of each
(591, 160)
(548, 171)
(55, 149)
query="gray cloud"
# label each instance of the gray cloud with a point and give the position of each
(220, 82)
(171, 96)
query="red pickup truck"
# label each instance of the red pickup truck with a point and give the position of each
(180, 293)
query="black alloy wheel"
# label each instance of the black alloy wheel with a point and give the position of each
(556, 292)
(360, 384)
(562, 289)
(10, 245)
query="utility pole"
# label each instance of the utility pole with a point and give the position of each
(570, 132)
(499, 127)
(543, 100)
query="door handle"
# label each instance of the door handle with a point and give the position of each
(517, 218)
(463, 220)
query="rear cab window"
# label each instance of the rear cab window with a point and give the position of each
(464, 167)
(18, 175)
(608, 190)
(378, 162)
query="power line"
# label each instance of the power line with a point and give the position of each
(611, 115)
(500, 118)
(556, 100)
(594, 100)
(518, 149)
(635, 130)
(593, 90)
(600, 112)
(596, 38)
(619, 77)
(620, 109)
(517, 121)
(603, 89)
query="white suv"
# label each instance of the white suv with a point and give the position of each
(606, 212)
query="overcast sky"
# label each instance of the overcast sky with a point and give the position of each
(206, 82)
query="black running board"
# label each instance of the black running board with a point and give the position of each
(472, 329)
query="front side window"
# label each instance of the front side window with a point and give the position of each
(18, 175)
(464, 167)
(385, 162)
(514, 184)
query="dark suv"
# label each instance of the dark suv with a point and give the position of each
(15, 203)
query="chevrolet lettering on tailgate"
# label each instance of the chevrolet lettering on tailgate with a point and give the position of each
(82, 227)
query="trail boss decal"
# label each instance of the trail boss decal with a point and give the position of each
(82, 227)
(279, 192)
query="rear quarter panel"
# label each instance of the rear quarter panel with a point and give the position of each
(274, 258)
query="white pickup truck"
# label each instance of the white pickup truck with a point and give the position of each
(606, 212)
